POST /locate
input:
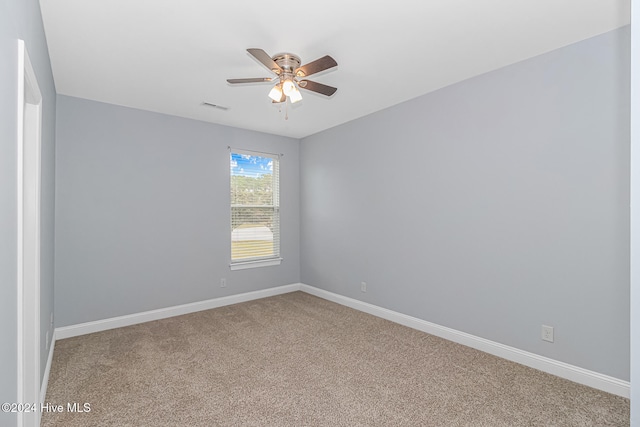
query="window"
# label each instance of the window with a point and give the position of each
(255, 209)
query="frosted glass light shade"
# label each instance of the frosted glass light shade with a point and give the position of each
(276, 93)
(295, 96)
(288, 87)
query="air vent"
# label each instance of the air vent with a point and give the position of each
(219, 107)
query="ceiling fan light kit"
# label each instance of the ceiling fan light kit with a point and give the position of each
(289, 74)
(276, 93)
(288, 87)
(295, 95)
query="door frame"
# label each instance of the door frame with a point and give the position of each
(29, 131)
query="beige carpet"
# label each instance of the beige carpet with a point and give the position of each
(298, 360)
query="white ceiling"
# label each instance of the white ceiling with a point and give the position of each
(169, 56)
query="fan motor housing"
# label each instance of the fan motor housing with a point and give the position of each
(287, 61)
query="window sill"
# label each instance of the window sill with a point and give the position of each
(255, 264)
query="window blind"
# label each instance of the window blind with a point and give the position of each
(255, 206)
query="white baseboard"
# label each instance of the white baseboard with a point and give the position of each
(163, 313)
(545, 364)
(47, 369)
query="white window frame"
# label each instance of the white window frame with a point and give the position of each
(266, 261)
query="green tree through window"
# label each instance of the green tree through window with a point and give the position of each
(255, 206)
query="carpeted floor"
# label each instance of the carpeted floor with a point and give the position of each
(298, 360)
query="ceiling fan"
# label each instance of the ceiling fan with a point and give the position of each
(290, 75)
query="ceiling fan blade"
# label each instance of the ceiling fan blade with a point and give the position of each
(317, 87)
(316, 66)
(255, 80)
(265, 59)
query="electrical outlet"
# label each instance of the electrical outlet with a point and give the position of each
(223, 283)
(363, 286)
(547, 333)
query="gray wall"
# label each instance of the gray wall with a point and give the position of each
(142, 211)
(492, 206)
(20, 19)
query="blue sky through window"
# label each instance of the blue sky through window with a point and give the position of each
(248, 165)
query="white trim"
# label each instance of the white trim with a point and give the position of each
(47, 369)
(29, 122)
(163, 313)
(545, 364)
(635, 212)
(254, 264)
(20, 221)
